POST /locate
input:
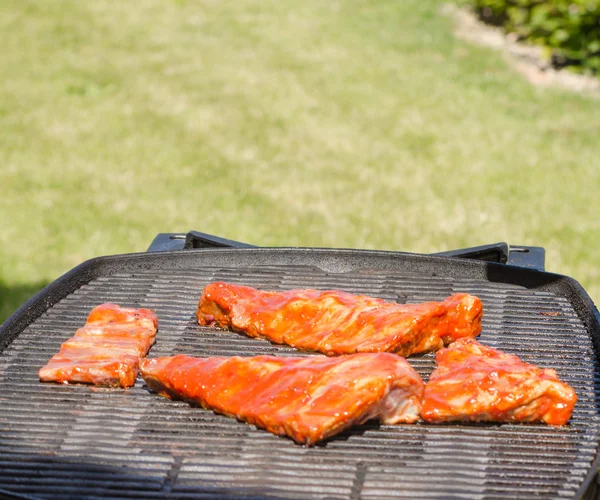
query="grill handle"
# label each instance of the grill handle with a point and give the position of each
(193, 239)
(526, 256)
(514, 255)
(522, 256)
(496, 252)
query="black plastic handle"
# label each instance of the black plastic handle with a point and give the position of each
(193, 239)
(515, 255)
(164, 242)
(526, 256)
(496, 252)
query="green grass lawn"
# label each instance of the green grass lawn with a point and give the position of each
(360, 124)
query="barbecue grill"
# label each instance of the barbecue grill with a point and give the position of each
(64, 441)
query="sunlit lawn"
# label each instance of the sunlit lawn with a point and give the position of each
(359, 124)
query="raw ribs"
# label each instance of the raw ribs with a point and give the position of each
(335, 322)
(473, 382)
(307, 398)
(107, 350)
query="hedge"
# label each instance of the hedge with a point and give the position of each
(568, 29)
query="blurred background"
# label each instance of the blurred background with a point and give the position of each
(355, 124)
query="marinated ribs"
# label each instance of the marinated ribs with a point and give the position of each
(476, 383)
(307, 399)
(336, 322)
(107, 350)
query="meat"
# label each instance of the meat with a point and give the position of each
(307, 399)
(107, 350)
(335, 322)
(477, 383)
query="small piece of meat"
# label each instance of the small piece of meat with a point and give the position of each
(308, 399)
(477, 383)
(335, 322)
(107, 350)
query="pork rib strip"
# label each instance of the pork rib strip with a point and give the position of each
(306, 398)
(107, 350)
(336, 322)
(475, 383)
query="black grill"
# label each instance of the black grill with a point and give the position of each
(59, 441)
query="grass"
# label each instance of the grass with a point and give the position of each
(359, 124)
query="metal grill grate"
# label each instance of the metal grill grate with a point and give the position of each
(61, 441)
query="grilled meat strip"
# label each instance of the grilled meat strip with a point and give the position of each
(477, 383)
(107, 350)
(335, 322)
(307, 398)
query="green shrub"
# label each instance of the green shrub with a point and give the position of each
(569, 29)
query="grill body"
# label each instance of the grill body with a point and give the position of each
(61, 441)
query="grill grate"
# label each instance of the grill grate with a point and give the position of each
(62, 441)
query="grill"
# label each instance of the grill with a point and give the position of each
(76, 441)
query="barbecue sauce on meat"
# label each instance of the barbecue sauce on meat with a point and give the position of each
(476, 383)
(308, 398)
(335, 322)
(107, 350)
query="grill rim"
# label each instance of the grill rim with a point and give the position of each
(562, 285)
(329, 260)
